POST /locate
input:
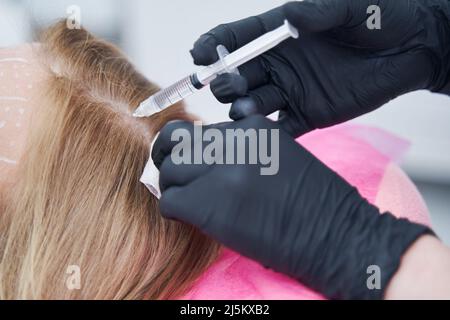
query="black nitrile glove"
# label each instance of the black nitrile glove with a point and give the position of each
(304, 221)
(337, 69)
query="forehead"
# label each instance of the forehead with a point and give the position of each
(21, 74)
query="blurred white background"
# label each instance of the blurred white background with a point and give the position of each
(158, 34)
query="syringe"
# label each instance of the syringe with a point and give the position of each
(228, 63)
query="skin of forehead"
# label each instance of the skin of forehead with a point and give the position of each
(21, 73)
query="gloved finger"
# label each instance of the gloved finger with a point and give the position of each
(256, 73)
(173, 173)
(168, 138)
(234, 35)
(264, 100)
(228, 87)
(172, 204)
(318, 15)
(183, 204)
(294, 126)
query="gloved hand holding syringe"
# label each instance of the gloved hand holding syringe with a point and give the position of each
(228, 63)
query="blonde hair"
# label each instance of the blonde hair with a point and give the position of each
(78, 200)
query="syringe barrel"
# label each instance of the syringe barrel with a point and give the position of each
(175, 93)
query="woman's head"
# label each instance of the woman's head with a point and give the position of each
(78, 200)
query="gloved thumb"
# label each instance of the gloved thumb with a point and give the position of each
(317, 15)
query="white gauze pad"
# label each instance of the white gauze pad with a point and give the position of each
(150, 176)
